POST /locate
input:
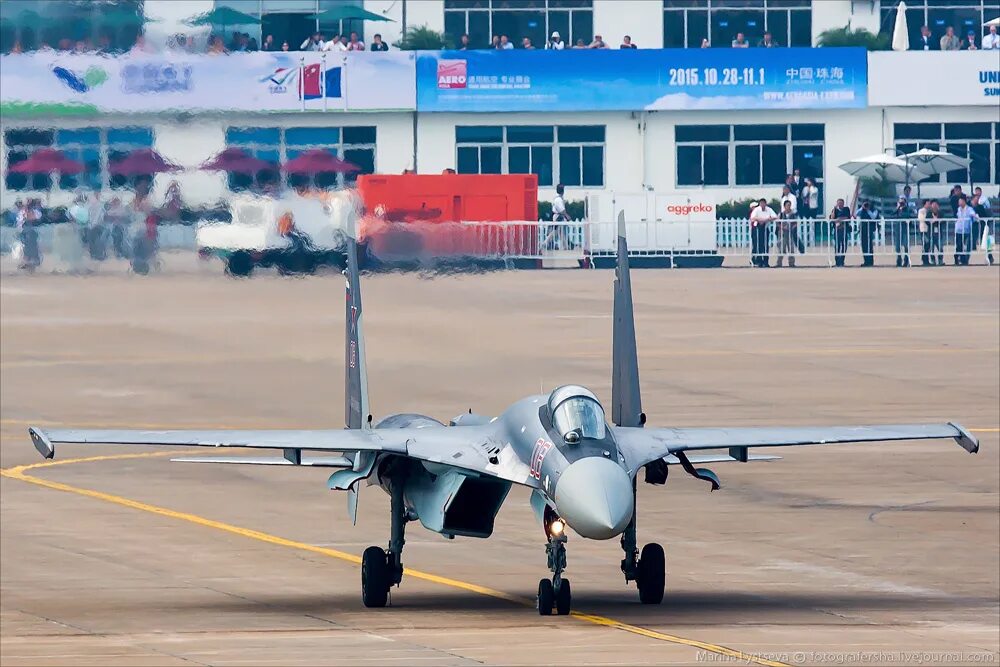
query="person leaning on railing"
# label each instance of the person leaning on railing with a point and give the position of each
(760, 216)
(788, 234)
(840, 216)
(965, 218)
(867, 226)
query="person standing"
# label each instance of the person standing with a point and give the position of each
(901, 217)
(555, 42)
(788, 197)
(867, 225)
(965, 218)
(810, 199)
(950, 41)
(788, 237)
(841, 218)
(991, 40)
(981, 230)
(924, 227)
(760, 217)
(937, 233)
(925, 42)
(378, 44)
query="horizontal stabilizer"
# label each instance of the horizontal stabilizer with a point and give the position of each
(718, 458)
(315, 462)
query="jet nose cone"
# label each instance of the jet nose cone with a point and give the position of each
(594, 496)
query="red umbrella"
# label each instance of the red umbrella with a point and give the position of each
(318, 161)
(140, 163)
(237, 160)
(45, 161)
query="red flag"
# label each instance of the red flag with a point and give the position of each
(309, 82)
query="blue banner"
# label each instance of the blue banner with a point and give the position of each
(642, 79)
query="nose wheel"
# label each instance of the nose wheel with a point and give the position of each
(555, 593)
(652, 574)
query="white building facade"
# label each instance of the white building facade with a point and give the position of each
(735, 153)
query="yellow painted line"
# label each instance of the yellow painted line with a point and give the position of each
(21, 473)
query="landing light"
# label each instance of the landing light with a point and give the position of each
(557, 527)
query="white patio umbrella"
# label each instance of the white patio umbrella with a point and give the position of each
(884, 166)
(931, 162)
(995, 22)
(900, 33)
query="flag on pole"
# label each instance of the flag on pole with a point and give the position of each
(315, 84)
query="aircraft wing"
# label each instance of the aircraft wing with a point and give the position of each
(643, 445)
(473, 449)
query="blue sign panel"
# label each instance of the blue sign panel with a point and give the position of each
(642, 79)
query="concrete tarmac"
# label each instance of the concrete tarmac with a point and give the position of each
(853, 554)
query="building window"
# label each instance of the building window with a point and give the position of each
(742, 155)
(939, 15)
(978, 141)
(278, 145)
(535, 19)
(574, 153)
(92, 146)
(687, 22)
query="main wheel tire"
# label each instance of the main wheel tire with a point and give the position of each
(239, 264)
(563, 598)
(546, 597)
(652, 574)
(374, 577)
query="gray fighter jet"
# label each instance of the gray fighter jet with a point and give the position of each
(454, 477)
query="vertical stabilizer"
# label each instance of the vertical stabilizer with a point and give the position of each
(356, 372)
(626, 402)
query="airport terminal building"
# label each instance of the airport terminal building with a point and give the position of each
(666, 117)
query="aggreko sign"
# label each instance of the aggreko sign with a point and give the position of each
(700, 210)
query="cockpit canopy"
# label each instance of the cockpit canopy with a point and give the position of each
(572, 407)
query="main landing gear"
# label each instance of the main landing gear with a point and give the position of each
(648, 570)
(555, 592)
(382, 569)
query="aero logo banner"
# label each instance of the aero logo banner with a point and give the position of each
(452, 74)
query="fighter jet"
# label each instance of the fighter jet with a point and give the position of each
(453, 478)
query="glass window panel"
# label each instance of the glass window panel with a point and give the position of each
(777, 24)
(801, 4)
(28, 137)
(312, 136)
(716, 165)
(800, 32)
(689, 165)
(980, 167)
(726, 24)
(958, 175)
(253, 135)
(289, 6)
(459, 4)
(454, 26)
(363, 157)
(808, 160)
(582, 133)
(739, 3)
(673, 30)
(529, 133)
(271, 155)
(468, 160)
(748, 165)
(775, 164)
(359, 135)
(667, 4)
(760, 132)
(917, 130)
(810, 132)
(479, 30)
(519, 24)
(996, 162)
(593, 165)
(569, 165)
(589, 4)
(701, 133)
(478, 134)
(489, 160)
(519, 160)
(967, 130)
(558, 22)
(583, 27)
(136, 136)
(541, 164)
(697, 28)
(89, 136)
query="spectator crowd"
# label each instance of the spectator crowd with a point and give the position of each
(950, 41)
(971, 225)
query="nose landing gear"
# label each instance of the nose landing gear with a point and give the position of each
(382, 569)
(555, 592)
